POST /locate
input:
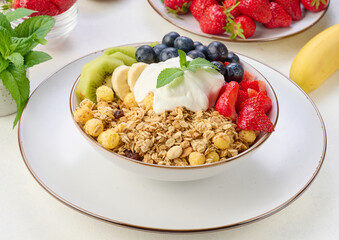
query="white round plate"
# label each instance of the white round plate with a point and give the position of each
(63, 163)
(262, 34)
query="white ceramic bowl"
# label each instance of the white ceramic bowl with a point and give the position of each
(187, 173)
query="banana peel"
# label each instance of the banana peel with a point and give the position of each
(317, 60)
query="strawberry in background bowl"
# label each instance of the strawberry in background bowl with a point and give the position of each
(43, 7)
(63, 11)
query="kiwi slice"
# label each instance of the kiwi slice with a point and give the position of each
(94, 74)
(127, 50)
(128, 61)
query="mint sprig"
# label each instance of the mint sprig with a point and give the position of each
(167, 75)
(16, 52)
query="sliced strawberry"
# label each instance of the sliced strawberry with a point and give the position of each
(226, 102)
(251, 92)
(253, 118)
(242, 96)
(260, 101)
(254, 84)
(248, 76)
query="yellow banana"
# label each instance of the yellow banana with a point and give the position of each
(317, 60)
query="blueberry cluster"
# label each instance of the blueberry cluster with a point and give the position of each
(216, 52)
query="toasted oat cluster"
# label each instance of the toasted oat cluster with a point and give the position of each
(175, 138)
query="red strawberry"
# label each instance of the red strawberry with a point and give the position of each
(177, 6)
(253, 118)
(243, 26)
(254, 84)
(260, 101)
(248, 76)
(258, 10)
(63, 5)
(213, 20)
(198, 7)
(314, 5)
(230, 3)
(292, 7)
(226, 63)
(279, 17)
(226, 102)
(251, 92)
(242, 96)
(43, 7)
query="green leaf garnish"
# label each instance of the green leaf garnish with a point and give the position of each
(16, 53)
(17, 59)
(18, 13)
(17, 83)
(199, 63)
(167, 75)
(39, 25)
(182, 59)
(36, 57)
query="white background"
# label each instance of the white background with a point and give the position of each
(27, 211)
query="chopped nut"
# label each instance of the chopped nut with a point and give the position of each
(174, 152)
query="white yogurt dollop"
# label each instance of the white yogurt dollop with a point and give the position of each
(194, 90)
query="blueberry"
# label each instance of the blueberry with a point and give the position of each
(169, 38)
(232, 58)
(157, 49)
(195, 54)
(168, 53)
(234, 72)
(222, 68)
(203, 49)
(184, 43)
(218, 51)
(196, 43)
(145, 54)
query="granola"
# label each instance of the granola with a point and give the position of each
(174, 138)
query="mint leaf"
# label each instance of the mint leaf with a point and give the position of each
(24, 45)
(199, 63)
(3, 64)
(182, 57)
(35, 57)
(38, 25)
(5, 42)
(5, 23)
(167, 75)
(17, 59)
(18, 13)
(17, 83)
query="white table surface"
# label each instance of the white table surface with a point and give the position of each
(27, 211)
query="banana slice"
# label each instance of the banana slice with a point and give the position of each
(134, 73)
(119, 81)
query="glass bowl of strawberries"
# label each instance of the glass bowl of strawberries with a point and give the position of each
(63, 11)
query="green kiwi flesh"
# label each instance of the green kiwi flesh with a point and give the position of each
(128, 61)
(127, 50)
(94, 74)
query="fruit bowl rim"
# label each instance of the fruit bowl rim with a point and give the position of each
(256, 144)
